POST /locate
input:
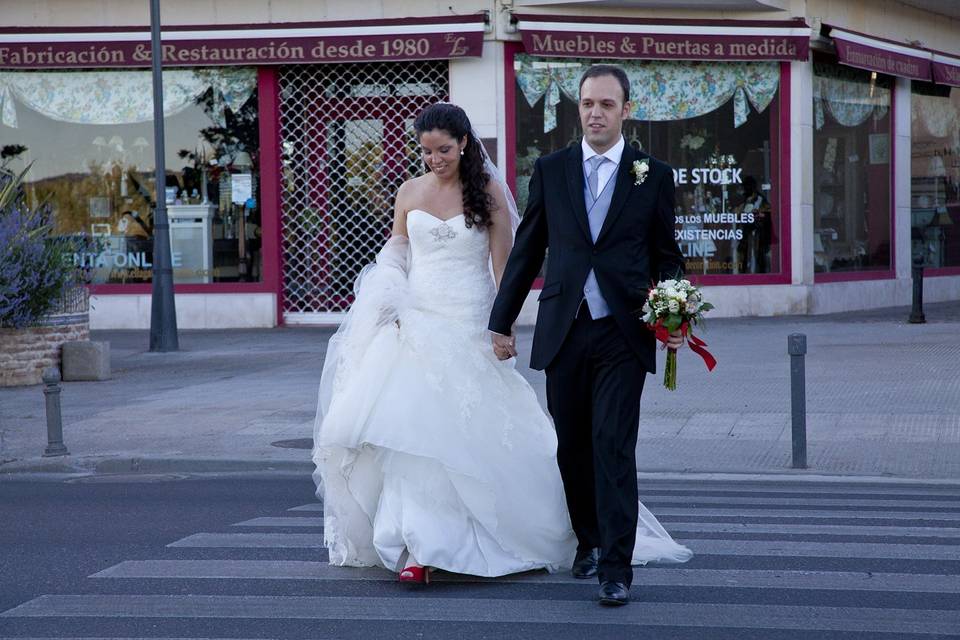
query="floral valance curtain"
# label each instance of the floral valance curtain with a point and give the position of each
(660, 90)
(119, 97)
(848, 95)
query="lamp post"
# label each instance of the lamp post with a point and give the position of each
(163, 312)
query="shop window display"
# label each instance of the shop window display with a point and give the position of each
(87, 138)
(851, 169)
(935, 174)
(715, 123)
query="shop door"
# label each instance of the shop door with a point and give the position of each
(347, 145)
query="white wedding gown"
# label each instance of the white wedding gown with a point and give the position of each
(426, 442)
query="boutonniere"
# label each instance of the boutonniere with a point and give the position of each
(640, 169)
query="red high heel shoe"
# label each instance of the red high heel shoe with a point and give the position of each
(419, 575)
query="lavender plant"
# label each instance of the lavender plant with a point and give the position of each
(35, 269)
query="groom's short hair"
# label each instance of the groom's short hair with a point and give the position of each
(597, 70)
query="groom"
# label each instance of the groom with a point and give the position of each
(608, 223)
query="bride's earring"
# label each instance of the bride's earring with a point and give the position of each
(461, 151)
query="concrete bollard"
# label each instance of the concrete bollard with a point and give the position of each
(51, 392)
(85, 360)
(797, 348)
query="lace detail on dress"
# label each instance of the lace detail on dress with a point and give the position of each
(442, 233)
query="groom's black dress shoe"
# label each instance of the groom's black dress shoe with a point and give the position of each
(585, 563)
(614, 594)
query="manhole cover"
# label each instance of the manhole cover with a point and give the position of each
(297, 443)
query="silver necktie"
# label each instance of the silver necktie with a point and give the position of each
(595, 163)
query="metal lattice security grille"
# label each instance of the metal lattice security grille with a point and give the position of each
(348, 144)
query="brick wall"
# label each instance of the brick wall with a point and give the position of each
(25, 353)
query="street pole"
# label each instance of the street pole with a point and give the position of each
(797, 348)
(163, 311)
(916, 273)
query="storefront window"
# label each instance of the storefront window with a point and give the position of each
(87, 138)
(851, 169)
(715, 123)
(935, 174)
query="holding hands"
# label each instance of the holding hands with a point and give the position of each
(504, 347)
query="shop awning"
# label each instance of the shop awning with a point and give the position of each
(946, 69)
(428, 38)
(597, 37)
(884, 56)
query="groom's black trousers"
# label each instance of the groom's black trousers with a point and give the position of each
(593, 393)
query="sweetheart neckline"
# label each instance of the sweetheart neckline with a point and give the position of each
(436, 217)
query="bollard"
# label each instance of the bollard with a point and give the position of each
(797, 348)
(51, 391)
(916, 313)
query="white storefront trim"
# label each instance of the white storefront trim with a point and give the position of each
(194, 311)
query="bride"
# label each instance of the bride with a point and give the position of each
(430, 452)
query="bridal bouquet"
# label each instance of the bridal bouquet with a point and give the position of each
(672, 305)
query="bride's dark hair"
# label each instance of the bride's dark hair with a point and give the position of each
(477, 203)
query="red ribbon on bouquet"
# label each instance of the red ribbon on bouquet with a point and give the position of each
(696, 344)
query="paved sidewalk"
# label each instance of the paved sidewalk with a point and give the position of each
(883, 399)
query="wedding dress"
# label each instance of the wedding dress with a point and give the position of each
(424, 440)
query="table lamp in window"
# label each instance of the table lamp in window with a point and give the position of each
(205, 152)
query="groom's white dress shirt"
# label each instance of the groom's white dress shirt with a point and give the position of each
(606, 170)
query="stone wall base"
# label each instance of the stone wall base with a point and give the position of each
(25, 353)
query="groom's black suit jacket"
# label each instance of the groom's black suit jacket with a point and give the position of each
(636, 246)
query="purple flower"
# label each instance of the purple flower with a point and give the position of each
(34, 274)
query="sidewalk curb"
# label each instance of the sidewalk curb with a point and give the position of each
(148, 464)
(115, 465)
(788, 475)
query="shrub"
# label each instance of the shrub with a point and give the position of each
(35, 267)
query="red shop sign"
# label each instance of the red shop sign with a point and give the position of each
(883, 56)
(946, 69)
(594, 37)
(428, 38)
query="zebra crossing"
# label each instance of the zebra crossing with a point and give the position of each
(774, 559)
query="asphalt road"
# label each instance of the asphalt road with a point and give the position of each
(241, 557)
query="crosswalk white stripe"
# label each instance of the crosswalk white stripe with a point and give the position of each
(786, 617)
(646, 576)
(715, 510)
(651, 488)
(790, 548)
(699, 546)
(919, 505)
(813, 529)
(313, 506)
(300, 521)
(802, 513)
(252, 540)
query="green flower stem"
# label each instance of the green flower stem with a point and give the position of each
(670, 370)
